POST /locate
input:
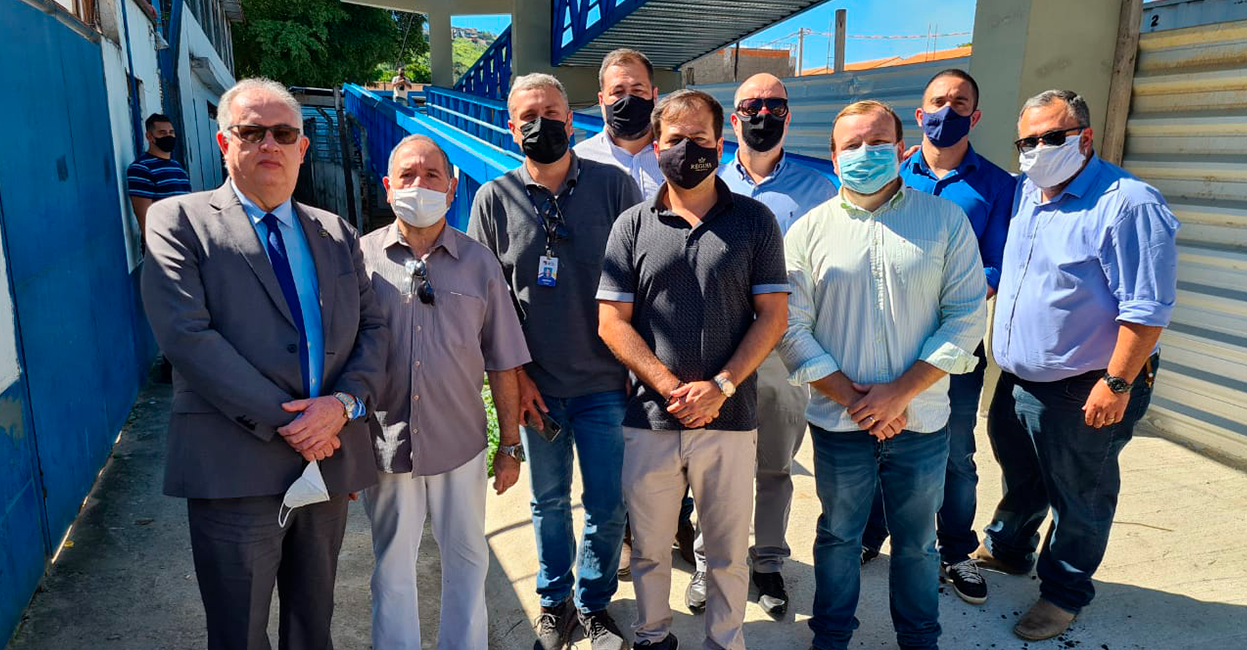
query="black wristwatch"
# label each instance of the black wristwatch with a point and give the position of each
(1116, 384)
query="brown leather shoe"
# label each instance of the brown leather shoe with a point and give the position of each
(986, 560)
(1043, 621)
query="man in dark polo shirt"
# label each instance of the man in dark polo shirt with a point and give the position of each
(547, 221)
(693, 296)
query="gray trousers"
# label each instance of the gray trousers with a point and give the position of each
(241, 553)
(658, 466)
(781, 428)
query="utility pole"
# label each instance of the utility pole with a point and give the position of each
(800, 48)
(736, 62)
(841, 25)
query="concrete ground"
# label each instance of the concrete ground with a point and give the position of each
(1175, 575)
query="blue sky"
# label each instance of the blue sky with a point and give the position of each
(865, 17)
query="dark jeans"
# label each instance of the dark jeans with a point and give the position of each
(1050, 458)
(954, 527)
(593, 424)
(848, 468)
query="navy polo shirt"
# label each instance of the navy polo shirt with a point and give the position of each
(982, 190)
(155, 178)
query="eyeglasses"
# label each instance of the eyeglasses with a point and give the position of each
(420, 271)
(777, 106)
(1051, 138)
(552, 220)
(255, 133)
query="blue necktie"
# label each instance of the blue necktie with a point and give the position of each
(285, 278)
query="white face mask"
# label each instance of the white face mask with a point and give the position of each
(1050, 166)
(419, 206)
(306, 490)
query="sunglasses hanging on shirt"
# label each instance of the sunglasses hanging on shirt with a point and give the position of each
(419, 271)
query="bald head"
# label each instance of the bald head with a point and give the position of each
(761, 86)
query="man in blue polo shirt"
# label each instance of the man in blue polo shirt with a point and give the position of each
(947, 166)
(155, 175)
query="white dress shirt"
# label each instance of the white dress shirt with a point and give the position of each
(642, 167)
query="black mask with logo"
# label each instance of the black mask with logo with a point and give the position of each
(762, 131)
(629, 116)
(166, 143)
(545, 140)
(687, 164)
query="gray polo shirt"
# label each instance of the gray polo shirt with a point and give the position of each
(430, 417)
(692, 294)
(560, 322)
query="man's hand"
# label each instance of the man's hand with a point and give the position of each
(696, 404)
(1104, 407)
(883, 431)
(320, 420)
(530, 400)
(506, 472)
(880, 407)
(325, 450)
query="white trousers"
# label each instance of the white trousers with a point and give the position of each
(397, 506)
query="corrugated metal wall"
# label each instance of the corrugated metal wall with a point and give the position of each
(816, 99)
(1187, 135)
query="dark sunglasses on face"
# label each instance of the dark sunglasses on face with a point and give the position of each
(777, 106)
(255, 133)
(420, 271)
(1051, 138)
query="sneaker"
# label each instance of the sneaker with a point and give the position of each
(601, 631)
(1043, 621)
(771, 594)
(984, 558)
(684, 539)
(554, 626)
(966, 581)
(625, 555)
(669, 643)
(869, 554)
(695, 595)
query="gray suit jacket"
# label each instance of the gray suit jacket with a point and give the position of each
(219, 316)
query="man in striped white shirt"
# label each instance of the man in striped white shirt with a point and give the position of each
(887, 300)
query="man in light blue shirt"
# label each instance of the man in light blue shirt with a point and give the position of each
(1088, 282)
(887, 300)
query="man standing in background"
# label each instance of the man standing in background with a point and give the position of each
(155, 175)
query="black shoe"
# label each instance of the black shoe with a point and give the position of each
(669, 643)
(695, 595)
(164, 371)
(869, 554)
(601, 631)
(554, 626)
(684, 540)
(625, 555)
(771, 594)
(966, 581)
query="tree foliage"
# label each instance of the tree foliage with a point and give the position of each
(320, 43)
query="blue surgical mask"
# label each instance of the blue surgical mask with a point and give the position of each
(945, 127)
(868, 168)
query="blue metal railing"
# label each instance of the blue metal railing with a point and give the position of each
(490, 76)
(576, 23)
(481, 117)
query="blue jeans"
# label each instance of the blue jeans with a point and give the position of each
(594, 423)
(1050, 458)
(848, 468)
(954, 527)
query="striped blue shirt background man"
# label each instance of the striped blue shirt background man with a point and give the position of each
(155, 174)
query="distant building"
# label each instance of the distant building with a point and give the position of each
(889, 61)
(717, 67)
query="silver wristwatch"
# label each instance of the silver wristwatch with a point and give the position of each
(725, 385)
(348, 403)
(515, 451)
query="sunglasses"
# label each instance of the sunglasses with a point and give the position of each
(420, 271)
(255, 133)
(1051, 138)
(552, 220)
(777, 106)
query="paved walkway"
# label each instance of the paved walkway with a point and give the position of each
(1175, 576)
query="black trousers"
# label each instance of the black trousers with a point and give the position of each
(241, 553)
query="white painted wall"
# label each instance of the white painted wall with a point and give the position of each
(199, 88)
(9, 369)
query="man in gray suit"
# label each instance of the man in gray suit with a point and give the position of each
(278, 349)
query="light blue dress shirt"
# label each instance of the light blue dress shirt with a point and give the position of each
(1100, 253)
(873, 293)
(303, 268)
(790, 191)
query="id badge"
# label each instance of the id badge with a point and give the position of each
(547, 271)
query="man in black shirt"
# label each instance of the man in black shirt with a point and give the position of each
(693, 296)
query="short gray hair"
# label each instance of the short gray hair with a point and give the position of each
(534, 81)
(1075, 105)
(225, 110)
(416, 137)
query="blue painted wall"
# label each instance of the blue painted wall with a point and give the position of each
(84, 345)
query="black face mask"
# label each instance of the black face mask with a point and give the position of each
(762, 131)
(628, 118)
(166, 143)
(688, 164)
(545, 140)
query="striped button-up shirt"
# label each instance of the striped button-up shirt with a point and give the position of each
(875, 292)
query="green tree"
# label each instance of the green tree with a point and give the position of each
(320, 42)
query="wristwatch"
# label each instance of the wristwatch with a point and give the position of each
(348, 402)
(725, 385)
(515, 451)
(1116, 384)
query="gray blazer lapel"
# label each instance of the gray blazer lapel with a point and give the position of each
(247, 242)
(318, 241)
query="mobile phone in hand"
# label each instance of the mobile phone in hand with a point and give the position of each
(547, 427)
